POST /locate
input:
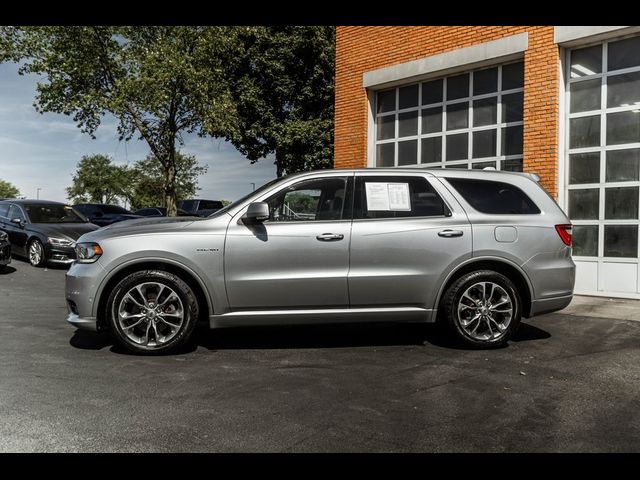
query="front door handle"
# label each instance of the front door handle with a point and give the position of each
(450, 233)
(330, 237)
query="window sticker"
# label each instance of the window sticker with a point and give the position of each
(387, 196)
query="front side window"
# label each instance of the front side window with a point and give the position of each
(4, 210)
(494, 197)
(469, 120)
(15, 212)
(396, 197)
(310, 200)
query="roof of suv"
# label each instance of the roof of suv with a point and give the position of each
(22, 201)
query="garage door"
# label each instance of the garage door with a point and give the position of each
(602, 165)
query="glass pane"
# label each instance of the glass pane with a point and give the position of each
(484, 144)
(585, 95)
(485, 81)
(432, 92)
(385, 154)
(622, 165)
(408, 152)
(584, 132)
(432, 120)
(485, 111)
(386, 127)
(481, 165)
(457, 146)
(459, 166)
(512, 140)
(458, 116)
(512, 165)
(621, 203)
(586, 61)
(512, 76)
(621, 241)
(623, 54)
(584, 167)
(387, 101)
(408, 124)
(623, 90)
(585, 240)
(458, 86)
(583, 204)
(408, 96)
(623, 127)
(431, 149)
(512, 107)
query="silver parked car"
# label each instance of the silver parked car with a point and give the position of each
(476, 250)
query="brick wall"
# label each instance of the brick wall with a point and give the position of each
(361, 49)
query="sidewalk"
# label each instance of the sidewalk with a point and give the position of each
(603, 307)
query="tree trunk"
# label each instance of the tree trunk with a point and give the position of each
(170, 188)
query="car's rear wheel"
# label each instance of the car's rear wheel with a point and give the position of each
(37, 256)
(482, 309)
(152, 311)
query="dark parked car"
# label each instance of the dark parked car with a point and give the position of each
(5, 249)
(43, 231)
(158, 212)
(102, 214)
(200, 208)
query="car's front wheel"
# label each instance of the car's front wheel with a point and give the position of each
(37, 256)
(482, 308)
(152, 311)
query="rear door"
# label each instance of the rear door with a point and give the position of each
(408, 233)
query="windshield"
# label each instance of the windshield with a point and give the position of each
(113, 209)
(53, 213)
(242, 199)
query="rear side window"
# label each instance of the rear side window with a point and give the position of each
(210, 204)
(488, 196)
(396, 197)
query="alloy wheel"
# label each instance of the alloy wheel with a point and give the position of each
(150, 314)
(485, 310)
(35, 253)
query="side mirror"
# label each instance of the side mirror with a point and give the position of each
(258, 211)
(18, 222)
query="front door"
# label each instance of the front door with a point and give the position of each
(17, 234)
(299, 257)
(404, 241)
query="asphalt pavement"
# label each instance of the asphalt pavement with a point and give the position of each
(567, 383)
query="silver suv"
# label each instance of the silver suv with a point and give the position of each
(476, 250)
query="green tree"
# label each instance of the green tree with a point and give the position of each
(7, 190)
(158, 81)
(283, 90)
(97, 180)
(145, 187)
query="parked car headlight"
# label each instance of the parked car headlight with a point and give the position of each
(59, 242)
(3, 236)
(88, 252)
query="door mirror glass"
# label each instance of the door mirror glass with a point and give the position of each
(258, 211)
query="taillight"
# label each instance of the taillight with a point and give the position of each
(565, 233)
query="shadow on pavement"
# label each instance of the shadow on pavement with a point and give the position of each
(6, 270)
(307, 336)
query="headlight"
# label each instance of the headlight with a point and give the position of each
(88, 252)
(3, 236)
(60, 242)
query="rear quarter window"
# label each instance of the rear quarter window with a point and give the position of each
(492, 197)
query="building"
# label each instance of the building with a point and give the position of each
(562, 102)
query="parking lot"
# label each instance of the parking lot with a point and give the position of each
(568, 383)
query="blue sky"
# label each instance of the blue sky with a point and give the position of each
(42, 151)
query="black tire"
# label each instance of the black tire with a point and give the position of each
(448, 311)
(182, 290)
(43, 256)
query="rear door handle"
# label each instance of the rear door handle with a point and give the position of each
(450, 233)
(330, 237)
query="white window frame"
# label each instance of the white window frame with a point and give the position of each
(469, 162)
(602, 148)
